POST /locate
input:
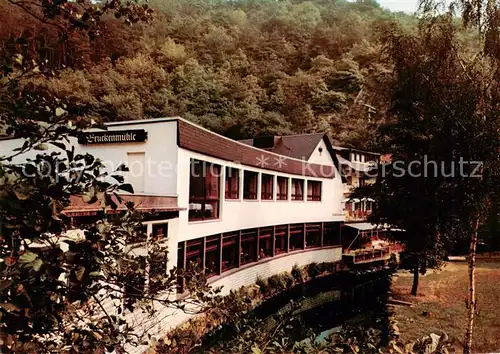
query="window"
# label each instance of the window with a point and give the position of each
(250, 185)
(296, 236)
(297, 189)
(160, 231)
(230, 251)
(313, 235)
(194, 255)
(281, 239)
(135, 286)
(265, 242)
(232, 183)
(180, 265)
(157, 272)
(331, 234)
(204, 191)
(248, 246)
(314, 190)
(212, 255)
(267, 183)
(282, 193)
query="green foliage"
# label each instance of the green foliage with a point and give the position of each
(298, 274)
(61, 289)
(239, 68)
(233, 311)
(313, 270)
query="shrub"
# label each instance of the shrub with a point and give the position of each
(297, 274)
(262, 284)
(289, 279)
(313, 270)
(274, 283)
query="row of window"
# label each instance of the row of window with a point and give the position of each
(204, 188)
(359, 157)
(219, 253)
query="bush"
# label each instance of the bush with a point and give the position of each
(313, 270)
(297, 274)
(274, 283)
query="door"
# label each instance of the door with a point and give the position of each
(136, 162)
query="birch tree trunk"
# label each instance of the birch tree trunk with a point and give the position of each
(471, 299)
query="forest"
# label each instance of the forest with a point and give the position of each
(241, 68)
(415, 86)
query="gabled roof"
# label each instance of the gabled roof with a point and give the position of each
(300, 146)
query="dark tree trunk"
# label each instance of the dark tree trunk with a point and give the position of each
(416, 274)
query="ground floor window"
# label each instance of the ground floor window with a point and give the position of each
(331, 235)
(135, 287)
(194, 255)
(313, 235)
(230, 251)
(248, 246)
(281, 239)
(212, 255)
(220, 253)
(296, 237)
(265, 242)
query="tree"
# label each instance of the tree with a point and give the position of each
(444, 102)
(62, 290)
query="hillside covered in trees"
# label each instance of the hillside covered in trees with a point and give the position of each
(241, 68)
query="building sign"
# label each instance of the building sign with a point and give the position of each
(113, 137)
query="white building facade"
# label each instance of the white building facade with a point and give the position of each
(236, 210)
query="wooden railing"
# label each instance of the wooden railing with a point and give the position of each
(368, 255)
(357, 215)
(373, 255)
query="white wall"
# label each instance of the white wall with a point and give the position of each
(323, 157)
(247, 276)
(160, 151)
(241, 214)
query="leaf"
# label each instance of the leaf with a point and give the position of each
(36, 264)
(59, 144)
(19, 58)
(127, 187)
(10, 307)
(22, 194)
(118, 178)
(5, 284)
(122, 168)
(79, 272)
(60, 111)
(27, 257)
(256, 350)
(40, 147)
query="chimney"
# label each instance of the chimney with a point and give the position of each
(264, 142)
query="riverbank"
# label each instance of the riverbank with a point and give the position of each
(440, 305)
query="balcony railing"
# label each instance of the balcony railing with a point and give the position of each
(357, 215)
(360, 256)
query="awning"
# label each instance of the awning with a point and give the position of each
(365, 226)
